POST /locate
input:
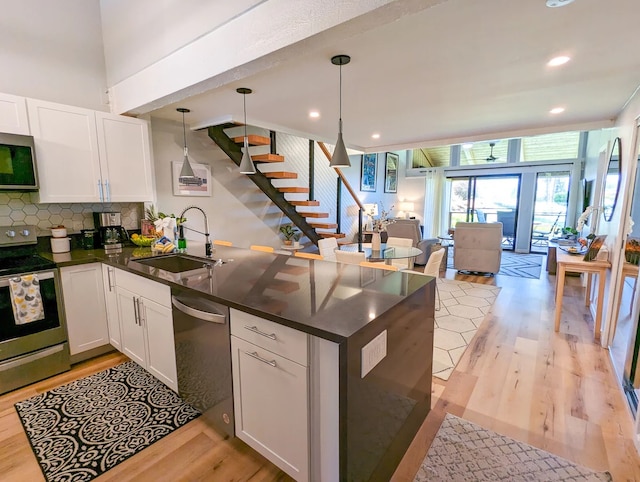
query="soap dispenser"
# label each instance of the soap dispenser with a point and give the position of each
(182, 241)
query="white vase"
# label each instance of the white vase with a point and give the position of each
(375, 241)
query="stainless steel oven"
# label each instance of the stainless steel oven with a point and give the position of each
(29, 350)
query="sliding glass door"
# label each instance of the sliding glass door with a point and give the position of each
(486, 199)
(550, 208)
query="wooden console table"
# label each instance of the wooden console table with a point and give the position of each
(567, 262)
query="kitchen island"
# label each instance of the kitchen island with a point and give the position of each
(370, 348)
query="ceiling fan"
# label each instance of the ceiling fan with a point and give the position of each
(491, 157)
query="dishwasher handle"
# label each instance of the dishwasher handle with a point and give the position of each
(201, 315)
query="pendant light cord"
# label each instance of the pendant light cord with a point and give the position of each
(244, 103)
(340, 96)
(184, 132)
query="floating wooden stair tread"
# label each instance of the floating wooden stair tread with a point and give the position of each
(268, 158)
(281, 175)
(323, 225)
(253, 140)
(331, 235)
(305, 203)
(313, 214)
(293, 189)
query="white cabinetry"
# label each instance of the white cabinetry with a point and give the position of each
(111, 302)
(83, 295)
(13, 115)
(89, 156)
(146, 325)
(271, 391)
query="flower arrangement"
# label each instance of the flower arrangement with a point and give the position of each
(383, 221)
(583, 217)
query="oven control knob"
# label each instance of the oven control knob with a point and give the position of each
(25, 232)
(11, 233)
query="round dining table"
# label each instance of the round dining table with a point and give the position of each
(386, 253)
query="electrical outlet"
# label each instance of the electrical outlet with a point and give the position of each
(373, 353)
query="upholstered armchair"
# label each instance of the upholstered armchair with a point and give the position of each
(477, 247)
(410, 228)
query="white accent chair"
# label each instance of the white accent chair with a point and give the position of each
(327, 246)
(349, 257)
(432, 268)
(477, 247)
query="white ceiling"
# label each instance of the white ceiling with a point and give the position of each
(460, 70)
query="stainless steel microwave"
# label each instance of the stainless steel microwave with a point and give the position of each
(17, 163)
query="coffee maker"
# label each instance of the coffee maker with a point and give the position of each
(110, 231)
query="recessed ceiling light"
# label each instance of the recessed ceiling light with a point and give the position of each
(557, 110)
(560, 60)
(375, 136)
(558, 3)
(468, 145)
(314, 114)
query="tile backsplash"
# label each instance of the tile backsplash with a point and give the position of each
(18, 208)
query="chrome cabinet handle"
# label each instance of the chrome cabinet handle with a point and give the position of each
(135, 310)
(263, 360)
(256, 330)
(100, 190)
(108, 189)
(140, 308)
(109, 278)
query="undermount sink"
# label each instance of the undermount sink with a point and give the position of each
(176, 263)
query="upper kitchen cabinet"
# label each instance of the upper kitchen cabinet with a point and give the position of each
(89, 156)
(13, 115)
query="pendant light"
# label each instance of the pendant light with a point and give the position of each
(246, 164)
(186, 170)
(340, 158)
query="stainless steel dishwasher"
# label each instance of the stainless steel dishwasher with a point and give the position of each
(203, 357)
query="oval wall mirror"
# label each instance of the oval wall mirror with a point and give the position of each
(612, 182)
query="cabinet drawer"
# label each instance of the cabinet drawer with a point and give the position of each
(144, 287)
(279, 339)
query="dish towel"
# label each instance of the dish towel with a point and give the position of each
(26, 299)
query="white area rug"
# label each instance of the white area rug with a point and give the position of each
(464, 306)
(463, 452)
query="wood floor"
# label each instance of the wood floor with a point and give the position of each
(555, 391)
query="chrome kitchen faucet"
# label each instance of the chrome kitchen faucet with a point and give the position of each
(207, 246)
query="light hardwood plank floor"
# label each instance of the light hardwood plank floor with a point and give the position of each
(555, 391)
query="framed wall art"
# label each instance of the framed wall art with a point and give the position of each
(200, 185)
(368, 172)
(391, 172)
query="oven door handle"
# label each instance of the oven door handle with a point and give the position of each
(4, 282)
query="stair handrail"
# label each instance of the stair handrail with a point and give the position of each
(351, 191)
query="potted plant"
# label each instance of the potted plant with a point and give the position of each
(569, 233)
(290, 234)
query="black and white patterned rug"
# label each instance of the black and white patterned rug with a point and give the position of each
(520, 265)
(81, 430)
(464, 452)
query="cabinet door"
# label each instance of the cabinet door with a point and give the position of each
(84, 305)
(131, 329)
(111, 302)
(125, 157)
(13, 115)
(161, 359)
(271, 406)
(66, 152)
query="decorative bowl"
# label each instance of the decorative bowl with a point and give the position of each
(139, 240)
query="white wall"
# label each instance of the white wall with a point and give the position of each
(237, 210)
(52, 50)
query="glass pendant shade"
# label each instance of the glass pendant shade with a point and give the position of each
(187, 170)
(246, 164)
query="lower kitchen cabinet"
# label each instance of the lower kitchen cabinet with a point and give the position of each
(271, 391)
(146, 325)
(83, 296)
(111, 302)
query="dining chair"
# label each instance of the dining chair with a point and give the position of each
(432, 268)
(327, 246)
(369, 264)
(266, 249)
(401, 243)
(220, 242)
(349, 257)
(302, 254)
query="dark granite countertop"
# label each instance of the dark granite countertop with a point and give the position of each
(322, 298)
